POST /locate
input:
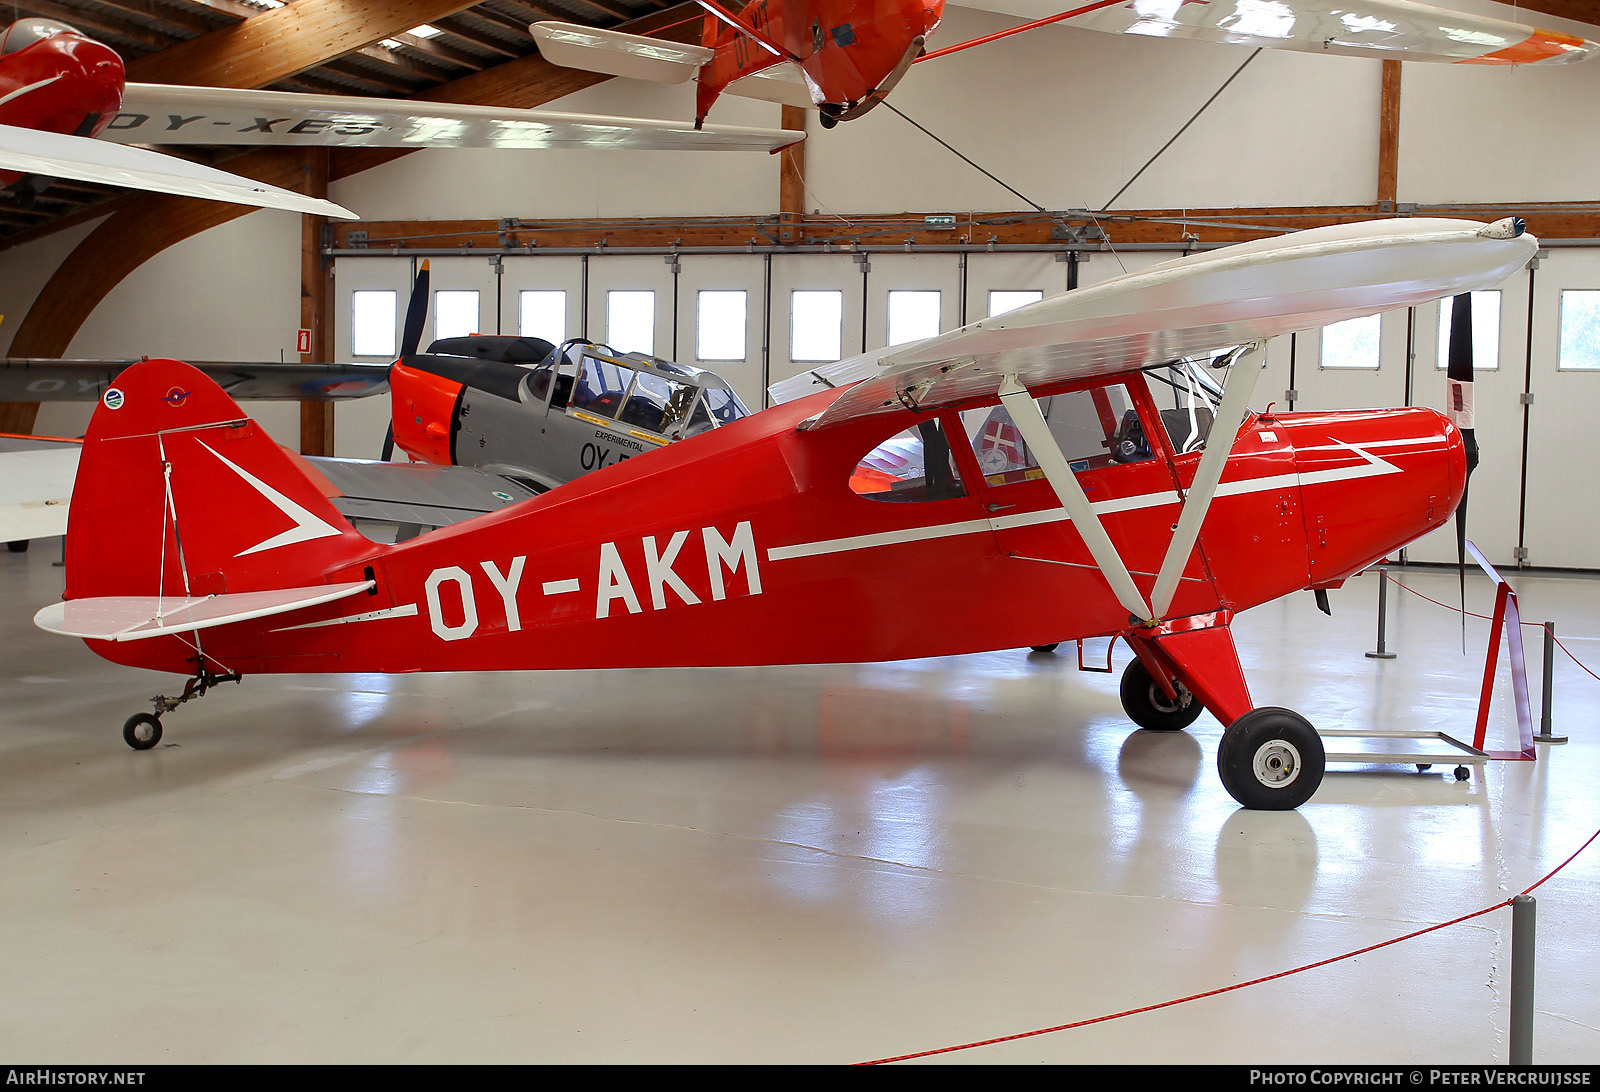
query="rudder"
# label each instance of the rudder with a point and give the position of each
(179, 492)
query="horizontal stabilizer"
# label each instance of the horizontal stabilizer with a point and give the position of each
(163, 114)
(35, 485)
(136, 617)
(417, 493)
(56, 155)
(613, 53)
(782, 84)
(25, 379)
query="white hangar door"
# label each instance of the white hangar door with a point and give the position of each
(1500, 322)
(629, 304)
(369, 307)
(1563, 497)
(721, 320)
(464, 298)
(912, 296)
(542, 297)
(817, 312)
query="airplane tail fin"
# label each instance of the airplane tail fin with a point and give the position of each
(179, 493)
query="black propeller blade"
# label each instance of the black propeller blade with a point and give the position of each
(1459, 409)
(411, 336)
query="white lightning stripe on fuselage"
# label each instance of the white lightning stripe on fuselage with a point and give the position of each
(19, 92)
(1372, 466)
(405, 611)
(306, 525)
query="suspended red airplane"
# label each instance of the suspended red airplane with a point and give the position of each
(844, 56)
(881, 517)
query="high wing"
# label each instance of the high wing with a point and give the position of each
(24, 379)
(164, 114)
(36, 477)
(57, 155)
(1188, 307)
(1393, 29)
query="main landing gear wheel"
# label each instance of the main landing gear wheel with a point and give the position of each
(1271, 759)
(142, 731)
(1148, 706)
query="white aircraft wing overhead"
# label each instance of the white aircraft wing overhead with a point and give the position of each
(56, 155)
(166, 114)
(614, 53)
(1188, 307)
(1393, 29)
(36, 477)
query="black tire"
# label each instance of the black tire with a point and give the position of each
(1046, 648)
(142, 731)
(1271, 759)
(1148, 706)
(18, 546)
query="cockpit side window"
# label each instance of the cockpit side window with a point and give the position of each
(1187, 399)
(601, 387)
(724, 405)
(913, 465)
(24, 32)
(657, 403)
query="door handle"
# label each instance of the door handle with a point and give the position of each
(1000, 507)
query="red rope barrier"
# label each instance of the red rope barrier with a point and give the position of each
(1237, 985)
(1485, 617)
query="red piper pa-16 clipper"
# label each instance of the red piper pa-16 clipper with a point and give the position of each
(880, 518)
(843, 57)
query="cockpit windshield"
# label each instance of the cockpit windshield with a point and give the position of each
(24, 32)
(643, 392)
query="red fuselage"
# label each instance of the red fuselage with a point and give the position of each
(743, 546)
(60, 83)
(846, 48)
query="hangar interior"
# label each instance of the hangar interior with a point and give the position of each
(827, 863)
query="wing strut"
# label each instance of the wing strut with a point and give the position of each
(1030, 422)
(1236, 389)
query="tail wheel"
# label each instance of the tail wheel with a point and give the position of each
(1271, 759)
(1148, 706)
(142, 731)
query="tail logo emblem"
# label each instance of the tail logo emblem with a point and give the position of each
(306, 525)
(112, 398)
(175, 397)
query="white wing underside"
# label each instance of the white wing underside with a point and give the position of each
(137, 617)
(1394, 29)
(36, 479)
(165, 114)
(1188, 307)
(56, 155)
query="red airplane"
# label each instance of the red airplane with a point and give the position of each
(897, 512)
(60, 89)
(848, 54)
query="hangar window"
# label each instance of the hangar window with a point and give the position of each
(720, 329)
(914, 465)
(816, 325)
(1580, 329)
(372, 323)
(1094, 428)
(1002, 301)
(1485, 330)
(1351, 344)
(913, 315)
(455, 313)
(631, 321)
(542, 313)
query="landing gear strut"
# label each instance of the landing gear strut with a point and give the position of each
(142, 731)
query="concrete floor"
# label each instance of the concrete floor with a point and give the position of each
(827, 864)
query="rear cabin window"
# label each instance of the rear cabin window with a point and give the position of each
(601, 387)
(913, 465)
(1094, 428)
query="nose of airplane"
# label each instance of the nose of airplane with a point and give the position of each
(1372, 481)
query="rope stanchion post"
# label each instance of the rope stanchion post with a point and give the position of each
(1524, 916)
(1382, 652)
(1545, 717)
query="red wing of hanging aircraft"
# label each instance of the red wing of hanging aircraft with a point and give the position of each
(852, 524)
(851, 53)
